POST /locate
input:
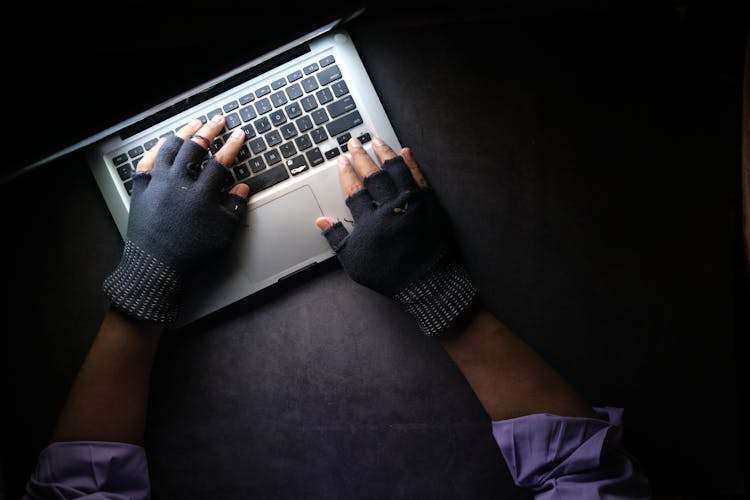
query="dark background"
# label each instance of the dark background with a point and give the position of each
(588, 154)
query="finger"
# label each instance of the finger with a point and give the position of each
(336, 235)
(324, 223)
(400, 173)
(414, 168)
(241, 189)
(147, 162)
(361, 159)
(189, 129)
(229, 150)
(207, 133)
(350, 181)
(382, 150)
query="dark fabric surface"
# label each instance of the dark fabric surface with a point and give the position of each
(589, 161)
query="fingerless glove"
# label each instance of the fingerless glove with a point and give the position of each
(401, 247)
(179, 214)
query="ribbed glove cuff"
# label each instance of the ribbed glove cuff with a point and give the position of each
(144, 287)
(440, 298)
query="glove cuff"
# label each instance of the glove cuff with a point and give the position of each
(143, 286)
(440, 298)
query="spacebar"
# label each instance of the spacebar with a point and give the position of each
(267, 179)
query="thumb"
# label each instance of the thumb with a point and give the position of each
(324, 223)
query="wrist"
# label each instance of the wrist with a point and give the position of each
(144, 287)
(441, 299)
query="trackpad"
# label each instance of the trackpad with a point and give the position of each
(281, 235)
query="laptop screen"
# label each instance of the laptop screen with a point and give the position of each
(95, 71)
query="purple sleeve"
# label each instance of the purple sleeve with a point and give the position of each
(95, 469)
(568, 457)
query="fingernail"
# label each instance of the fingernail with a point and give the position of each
(217, 118)
(343, 161)
(354, 143)
(378, 141)
(238, 133)
(161, 140)
(195, 122)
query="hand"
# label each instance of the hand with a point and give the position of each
(179, 214)
(401, 244)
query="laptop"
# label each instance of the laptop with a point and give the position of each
(298, 105)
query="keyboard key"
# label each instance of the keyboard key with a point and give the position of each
(344, 148)
(309, 84)
(287, 149)
(324, 96)
(294, 76)
(278, 117)
(341, 106)
(343, 138)
(136, 151)
(332, 153)
(344, 123)
(293, 110)
(231, 106)
(278, 98)
(216, 145)
(308, 103)
(249, 131)
(263, 91)
(273, 138)
(277, 84)
(327, 61)
(303, 142)
(233, 121)
(310, 68)
(319, 135)
(240, 172)
(263, 106)
(329, 75)
(320, 116)
(294, 92)
(267, 179)
(213, 113)
(262, 125)
(272, 156)
(256, 164)
(364, 138)
(288, 130)
(246, 99)
(304, 123)
(129, 186)
(134, 163)
(242, 155)
(166, 134)
(203, 119)
(314, 157)
(257, 145)
(124, 171)
(339, 88)
(247, 113)
(120, 159)
(296, 165)
(150, 144)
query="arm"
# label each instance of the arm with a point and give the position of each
(108, 399)
(179, 215)
(553, 442)
(509, 377)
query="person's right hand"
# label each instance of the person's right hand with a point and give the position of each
(401, 244)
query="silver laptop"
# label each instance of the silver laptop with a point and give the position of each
(298, 105)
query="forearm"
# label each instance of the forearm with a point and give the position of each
(508, 376)
(109, 396)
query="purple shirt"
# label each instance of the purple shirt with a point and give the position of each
(556, 457)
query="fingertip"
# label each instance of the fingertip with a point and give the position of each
(324, 223)
(241, 189)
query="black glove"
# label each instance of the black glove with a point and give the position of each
(401, 246)
(179, 214)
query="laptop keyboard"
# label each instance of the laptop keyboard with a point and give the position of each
(287, 124)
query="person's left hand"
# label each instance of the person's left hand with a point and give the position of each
(180, 213)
